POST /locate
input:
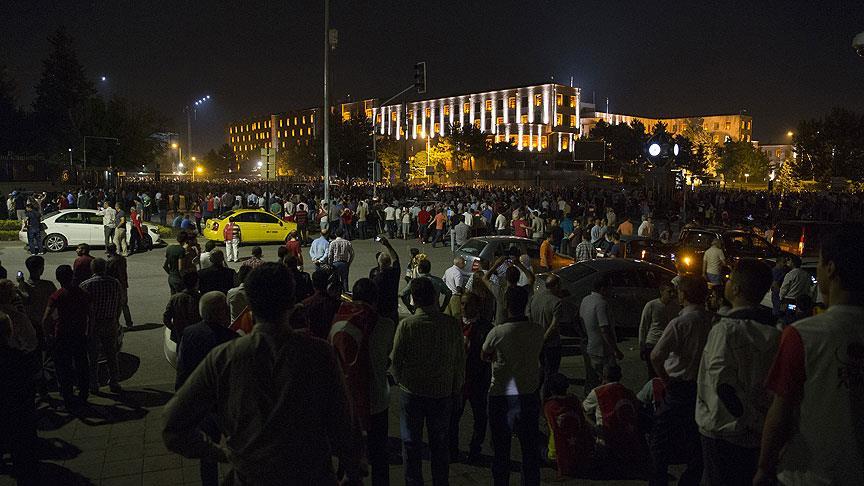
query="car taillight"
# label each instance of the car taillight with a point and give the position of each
(801, 241)
(215, 225)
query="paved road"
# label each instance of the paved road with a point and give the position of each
(120, 443)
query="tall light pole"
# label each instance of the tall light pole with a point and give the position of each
(192, 110)
(326, 118)
(70, 158)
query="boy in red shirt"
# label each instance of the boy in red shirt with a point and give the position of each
(571, 439)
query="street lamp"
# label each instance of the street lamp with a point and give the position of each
(790, 134)
(746, 177)
(192, 110)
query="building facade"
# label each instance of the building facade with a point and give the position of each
(778, 153)
(540, 118)
(735, 127)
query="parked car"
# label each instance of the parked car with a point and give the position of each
(647, 249)
(634, 283)
(71, 227)
(256, 226)
(735, 243)
(491, 247)
(802, 238)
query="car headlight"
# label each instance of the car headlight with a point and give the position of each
(687, 261)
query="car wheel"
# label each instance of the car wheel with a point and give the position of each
(55, 242)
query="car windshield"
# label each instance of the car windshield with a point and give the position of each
(473, 247)
(574, 273)
(226, 214)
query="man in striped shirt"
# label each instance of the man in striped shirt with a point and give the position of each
(340, 254)
(429, 365)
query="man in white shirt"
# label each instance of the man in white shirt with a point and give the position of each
(109, 222)
(655, 317)
(646, 229)
(390, 220)
(713, 261)
(796, 282)
(455, 276)
(601, 344)
(501, 224)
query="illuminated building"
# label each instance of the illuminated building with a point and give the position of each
(735, 127)
(280, 130)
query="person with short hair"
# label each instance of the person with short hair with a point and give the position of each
(514, 349)
(255, 260)
(182, 308)
(731, 398)
(120, 230)
(549, 310)
(117, 268)
(321, 306)
(204, 258)
(82, 266)
(173, 255)
(601, 343)
(655, 317)
(278, 395)
(109, 222)
(615, 409)
(231, 237)
(676, 358)
(424, 269)
(584, 250)
(105, 295)
(340, 254)
(65, 325)
(429, 364)
(386, 277)
(796, 281)
(217, 276)
(813, 426)
(713, 261)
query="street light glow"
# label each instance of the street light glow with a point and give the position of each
(654, 149)
(199, 169)
(790, 133)
(174, 146)
(104, 78)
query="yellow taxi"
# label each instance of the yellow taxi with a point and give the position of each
(256, 226)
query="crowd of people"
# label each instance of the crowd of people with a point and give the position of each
(295, 368)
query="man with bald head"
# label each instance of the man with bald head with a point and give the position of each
(196, 342)
(549, 310)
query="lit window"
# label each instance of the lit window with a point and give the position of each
(716, 126)
(513, 139)
(499, 120)
(427, 112)
(393, 116)
(311, 118)
(499, 138)
(437, 127)
(511, 102)
(378, 118)
(232, 139)
(446, 110)
(544, 140)
(572, 102)
(368, 114)
(748, 126)
(572, 121)
(534, 140)
(410, 115)
(559, 119)
(538, 100)
(301, 132)
(488, 105)
(565, 141)
(304, 119)
(466, 108)
(742, 125)
(346, 116)
(524, 118)
(559, 99)
(477, 123)
(293, 133)
(283, 144)
(526, 140)
(716, 137)
(419, 129)
(728, 125)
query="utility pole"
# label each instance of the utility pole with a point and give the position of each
(326, 110)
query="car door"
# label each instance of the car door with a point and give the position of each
(626, 289)
(271, 227)
(250, 228)
(94, 222)
(73, 226)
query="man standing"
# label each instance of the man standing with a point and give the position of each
(82, 264)
(626, 227)
(731, 398)
(713, 261)
(424, 267)
(65, 325)
(386, 277)
(501, 224)
(362, 212)
(363, 340)
(428, 363)
(655, 317)
(514, 404)
(813, 430)
(390, 220)
(301, 217)
(216, 277)
(318, 249)
(340, 254)
(104, 293)
(601, 347)
(231, 236)
(182, 308)
(109, 222)
(646, 229)
(117, 268)
(796, 282)
(255, 260)
(676, 358)
(277, 394)
(173, 255)
(439, 221)
(584, 250)
(198, 340)
(423, 219)
(461, 233)
(547, 254)
(455, 277)
(120, 230)
(32, 224)
(548, 309)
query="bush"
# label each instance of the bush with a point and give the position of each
(8, 235)
(10, 224)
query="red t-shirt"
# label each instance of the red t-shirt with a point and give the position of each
(519, 228)
(440, 219)
(788, 373)
(71, 319)
(423, 217)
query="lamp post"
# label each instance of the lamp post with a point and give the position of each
(330, 39)
(70, 158)
(192, 111)
(746, 177)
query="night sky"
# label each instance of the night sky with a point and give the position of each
(779, 61)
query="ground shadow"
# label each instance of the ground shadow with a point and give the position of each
(143, 327)
(47, 415)
(144, 398)
(128, 364)
(97, 415)
(50, 474)
(55, 449)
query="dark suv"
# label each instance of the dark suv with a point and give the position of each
(735, 243)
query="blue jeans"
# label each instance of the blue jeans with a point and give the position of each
(341, 269)
(414, 411)
(714, 279)
(519, 414)
(34, 241)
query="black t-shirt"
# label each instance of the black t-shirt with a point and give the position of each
(387, 281)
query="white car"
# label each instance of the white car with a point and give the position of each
(71, 227)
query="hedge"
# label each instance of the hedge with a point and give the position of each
(8, 235)
(9, 230)
(10, 225)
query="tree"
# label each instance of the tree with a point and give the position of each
(832, 146)
(705, 146)
(468, 144)
(501, 153)
(623, 144)
(13, 122)
(742, 161)
(785, 176)
(351, 145)
(133, 128)
(390, 158)
(62, 97)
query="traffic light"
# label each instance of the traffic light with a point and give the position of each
(420, 77)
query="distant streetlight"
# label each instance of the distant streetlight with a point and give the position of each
(199, 169)
(191, 111)
(790, 134)
(103, 78)
(746, 177)
(70, 158)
